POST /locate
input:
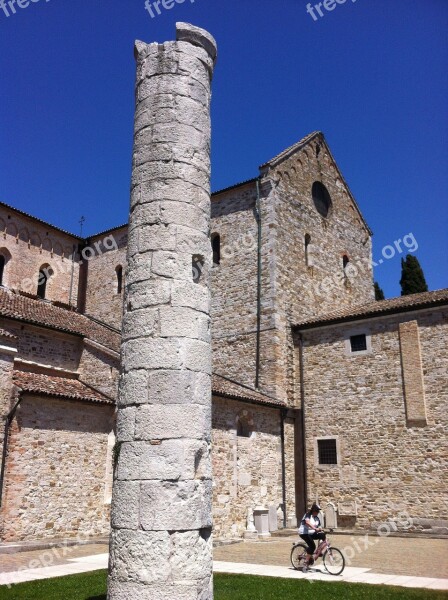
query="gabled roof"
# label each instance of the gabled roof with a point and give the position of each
(58, 387)
(402, 304)
(21, 212)
(291, 149)
(40, 312)
(227, 388)
(302, 144)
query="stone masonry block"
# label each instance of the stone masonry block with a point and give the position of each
(132, 388)
(126, 424)
(178, 387)
(157, 591)
(187, 293)
(156, 422)
(139, 268)
(140, 556)
(188, 215)
(157, 237)
(196, 355)
(184, 322)
(174, 190)
(148, 293)
(172, 84)
(172, 265)
(172, 506)
(151, 353)
(167, 460)
(191, 556)
(125, 508)
(140, 323)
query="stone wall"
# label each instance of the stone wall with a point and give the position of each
(100, 369)
(234, 284)
(55, 472)
(46, 347)
(103, 299)
(311, 281)
(386, 464)
(28, 245)
(247, 471)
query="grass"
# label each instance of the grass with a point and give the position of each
(92, 586)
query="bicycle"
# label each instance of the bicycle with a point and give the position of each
(333, 559)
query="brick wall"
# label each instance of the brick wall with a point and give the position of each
(386, 464)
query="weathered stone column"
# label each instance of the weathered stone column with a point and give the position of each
(161, 508)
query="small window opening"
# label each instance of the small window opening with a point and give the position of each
(45, 273)
(358, 343)
(216, 247)
(119, 272)
(242, 428)
(307, 250)
(328, 454)
(2, 268)
(345, 261)
(197, 265)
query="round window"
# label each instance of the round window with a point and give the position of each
(321, 198)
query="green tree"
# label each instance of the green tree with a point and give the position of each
(379, 294)
(412, 278)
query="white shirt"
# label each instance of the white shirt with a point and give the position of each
(304, 529)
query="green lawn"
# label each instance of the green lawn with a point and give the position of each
(92, 586)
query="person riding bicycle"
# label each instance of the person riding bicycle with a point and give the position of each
(311, 530)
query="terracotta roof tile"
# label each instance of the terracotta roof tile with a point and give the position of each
(223, 386)
(43, 313)
(58, 387)
(378, 308)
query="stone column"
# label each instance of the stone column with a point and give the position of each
(161, 544)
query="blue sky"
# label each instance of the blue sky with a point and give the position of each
(371, 74)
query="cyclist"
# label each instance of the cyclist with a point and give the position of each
(311, 530)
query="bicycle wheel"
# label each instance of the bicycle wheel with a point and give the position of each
(334, 561)
(298, 556)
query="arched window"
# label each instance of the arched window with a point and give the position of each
(216, 247)
(5, 257)
(321, 198)
(308, 260)
(119, 272)
(45, 272)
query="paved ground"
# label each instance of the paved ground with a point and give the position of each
(410, 562)
(401, 556)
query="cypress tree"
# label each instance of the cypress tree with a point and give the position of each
(412, 278)
(379, 294)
